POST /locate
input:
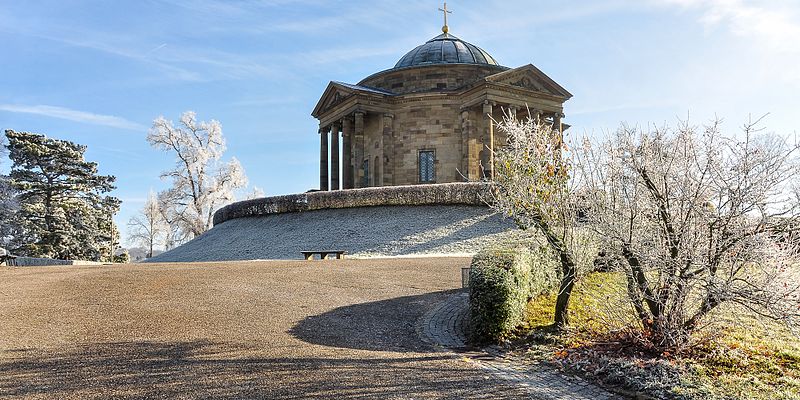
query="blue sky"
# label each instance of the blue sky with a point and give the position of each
(98, 72)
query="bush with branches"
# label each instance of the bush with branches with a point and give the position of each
(696, 219)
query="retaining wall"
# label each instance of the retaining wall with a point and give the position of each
(467, 193)
(40, 262)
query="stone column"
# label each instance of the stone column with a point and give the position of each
(557, 121)
(358, 152)
(323, 158)
(387, 150)
(488, 113)
(465, 145)
(536, 115)
(347, 153)
(335, 128)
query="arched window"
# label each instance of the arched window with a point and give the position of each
(365, 182)
(376, 179)
(427, 170)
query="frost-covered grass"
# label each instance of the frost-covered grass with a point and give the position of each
(361, 232)
(739, 356)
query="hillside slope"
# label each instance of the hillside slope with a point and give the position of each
(362, 232)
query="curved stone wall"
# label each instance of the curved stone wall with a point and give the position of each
(413, 195)
(430, 78)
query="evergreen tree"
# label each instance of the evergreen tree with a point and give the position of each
(63, 210)
(8, 202)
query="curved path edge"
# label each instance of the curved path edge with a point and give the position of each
(445, 327)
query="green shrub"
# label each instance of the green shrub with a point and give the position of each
(122, 258)
(501, 283)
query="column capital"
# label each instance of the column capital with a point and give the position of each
(347, 123)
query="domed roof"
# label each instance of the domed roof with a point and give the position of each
(446, 49)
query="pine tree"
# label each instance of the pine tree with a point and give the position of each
(8, 203)
(63, 210)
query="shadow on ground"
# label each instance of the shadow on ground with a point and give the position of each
(214, 370)
(387, 325)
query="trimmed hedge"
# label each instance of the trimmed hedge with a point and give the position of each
(501, 283)
(469, 193)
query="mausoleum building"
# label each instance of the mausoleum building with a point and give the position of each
(429, 118)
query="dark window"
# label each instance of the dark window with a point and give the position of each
(365, 183)
(427, 171)
(376, 181)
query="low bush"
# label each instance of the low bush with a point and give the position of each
(122, 258)
(501, 283)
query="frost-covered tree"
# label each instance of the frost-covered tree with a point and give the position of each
(8, 201)
(255, 193)
(148, 228)
(533, 186)
(174, 235)
(201, 183)
(63, 210)
(697, 219)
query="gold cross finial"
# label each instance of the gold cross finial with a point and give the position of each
(445, 11)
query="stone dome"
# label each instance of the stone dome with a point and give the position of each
(446, 49)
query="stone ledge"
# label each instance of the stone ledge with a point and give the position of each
(468, 193)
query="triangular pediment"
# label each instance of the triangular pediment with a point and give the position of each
(331, 97)
(531, 78)
(338, 92)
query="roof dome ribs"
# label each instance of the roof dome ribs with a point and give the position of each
(445, 49)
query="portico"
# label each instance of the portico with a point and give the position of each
(430, 119)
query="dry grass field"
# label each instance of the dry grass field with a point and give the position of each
(278, 329)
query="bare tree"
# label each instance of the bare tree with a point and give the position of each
(174, 234)
(200, 182)
(696, 219)
(533, 186)
(148, 228)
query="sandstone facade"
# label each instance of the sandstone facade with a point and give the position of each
(437, 104)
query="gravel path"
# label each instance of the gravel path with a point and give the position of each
(273, 330)
(445, 325)
(363, 232)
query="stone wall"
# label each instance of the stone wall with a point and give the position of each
(444, 108)
(431, 78)
(42, 262)
(438, 124)
(441, 194)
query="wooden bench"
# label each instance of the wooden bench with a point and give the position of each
(309, 255)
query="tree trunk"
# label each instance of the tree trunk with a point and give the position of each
(568, 273)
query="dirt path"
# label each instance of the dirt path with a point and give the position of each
(332, 329)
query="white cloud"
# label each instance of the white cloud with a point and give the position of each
(774, 24)
(74, 115)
